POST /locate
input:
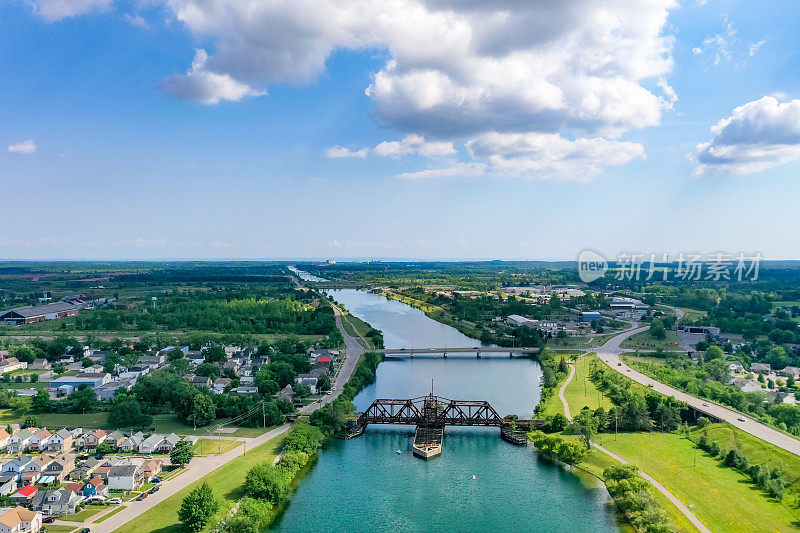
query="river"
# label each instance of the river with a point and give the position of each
(480, 483)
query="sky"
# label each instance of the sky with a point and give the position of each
(413, 129)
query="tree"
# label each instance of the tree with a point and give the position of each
(41, 401)
(657, 330)
(208, 369)
(324, 383)
(83, 400)
(33, 421)
(181, 454)
(268, 482)
(558, 422)
(266, 382)
(19, 405)
(197, 508)
(255, 512)
(196, 408)
(301, 390)
(585, 424)
(128, 414)
(214, 354)
(714, 352)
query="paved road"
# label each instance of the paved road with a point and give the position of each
(658, 486)
(609, 353)
(202, 466)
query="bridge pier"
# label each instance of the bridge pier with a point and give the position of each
(478, 353)
(428, 442)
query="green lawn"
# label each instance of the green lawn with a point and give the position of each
(109, 515)
(51, 528)
(225, 481)
(722, 498)
(581, 391)
(756, 450)
(87, 512)
(644, 342)
(215, 446)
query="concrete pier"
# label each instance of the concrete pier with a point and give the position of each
(428, 442)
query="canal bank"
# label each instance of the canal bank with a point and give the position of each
(479, 482)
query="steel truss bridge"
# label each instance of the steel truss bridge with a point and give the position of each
(435, 412)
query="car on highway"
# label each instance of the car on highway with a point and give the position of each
(650, 385)
(142, 496)
(742, 419)
(629, 370)
(85, 530)
(619, 364)
(705, 404)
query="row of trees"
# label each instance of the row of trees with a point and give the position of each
(632, 496)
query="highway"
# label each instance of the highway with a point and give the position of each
(609, 353)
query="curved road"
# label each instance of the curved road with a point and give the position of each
(609, 353)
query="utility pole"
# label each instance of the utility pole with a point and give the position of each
(263, 415)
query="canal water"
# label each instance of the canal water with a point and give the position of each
(480, 483)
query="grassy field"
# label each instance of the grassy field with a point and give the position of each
(226, 482)
(60, 529)
(87, 512)
(721, 498)
(215, 446)
(644, 342)
(357, 328)
(756, 450)
(692, 314)
(581, 391)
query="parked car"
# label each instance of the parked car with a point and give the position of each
(155, 480)
(95, 499)
(115, 501)
(48, 519)
(85, 530)
(99, 456)
(142, 496)
(154, 489)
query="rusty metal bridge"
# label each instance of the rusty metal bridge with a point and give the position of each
(431, 411)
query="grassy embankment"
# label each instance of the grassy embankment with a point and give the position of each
(645, 342)
(708, 489)
(226, 482)
(356, 327)
(470, 329)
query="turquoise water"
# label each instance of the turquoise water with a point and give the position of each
(363, 484)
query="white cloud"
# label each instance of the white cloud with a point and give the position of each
(720, 46)
(670, 96)
(206, 87)
(136, 20)
(54, 10)
(337, 152)
(758, 135)
(25, 147)
(413, 144)
(409, 145)
(755, 46)
(537, 155)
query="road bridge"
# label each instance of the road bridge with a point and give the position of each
(477, 350)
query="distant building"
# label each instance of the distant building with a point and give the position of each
(90, 379)
(591, 316)
(789, 371)
(31, 315)
(619, 302)
(760, 368)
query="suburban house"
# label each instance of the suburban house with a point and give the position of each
(167, 443)
(39, 440)
(201, 381)
(8, 483)
(125, 477)
(20, 520)
(60, 467)
(4, 436)
(132, 443)
(56, 502)
(114, 438)
(736, 366)
(244, 389)
(760, 368)
(9, 364)
(85, 469)
(308, 379)
(93, 487)
(326, 355)
(220, 384)
(789, 371)
(40, 363)
(745, 385)
(18, 442)
(286, 393)
(17, 465)
(149, 444)
(151, 468)
(60, 441)
(24, 495)
(94, 438)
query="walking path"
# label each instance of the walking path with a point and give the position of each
(659, 487)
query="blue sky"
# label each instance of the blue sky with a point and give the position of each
(114, 148)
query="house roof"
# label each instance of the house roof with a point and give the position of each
(15, 516)
(4, 434)
(43, 434)
(122, 470)
(27, 491)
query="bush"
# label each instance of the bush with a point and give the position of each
(703, 422)
(775, 488)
